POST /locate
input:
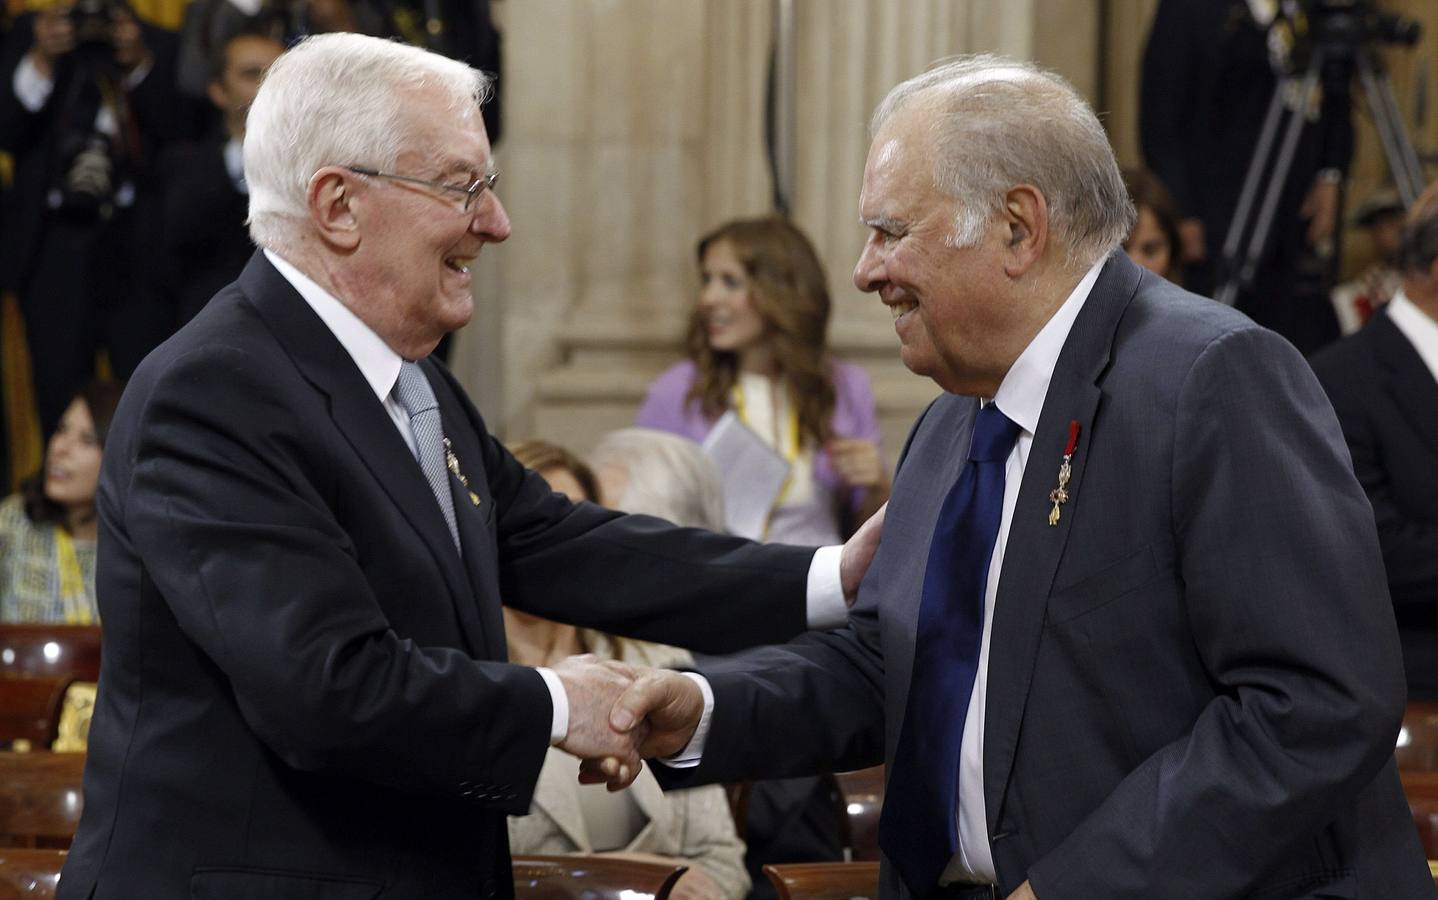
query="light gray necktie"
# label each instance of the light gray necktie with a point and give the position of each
(413, 392)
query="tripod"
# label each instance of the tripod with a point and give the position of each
(1338, 51)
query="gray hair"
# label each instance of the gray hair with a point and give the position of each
(337, 99)
(669, 476)
(999, 122)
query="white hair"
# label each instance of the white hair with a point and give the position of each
(669, 476)
(1000, 122)
(337, 99)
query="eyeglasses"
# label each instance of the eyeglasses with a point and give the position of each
(471, 193)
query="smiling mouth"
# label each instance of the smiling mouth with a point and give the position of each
(459, 264)
(901, 308)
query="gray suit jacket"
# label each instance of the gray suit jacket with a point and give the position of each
(1194, 684)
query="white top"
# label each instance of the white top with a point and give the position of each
(806, 511)
(1020, 397)
(1421, 331)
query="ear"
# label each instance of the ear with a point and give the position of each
(331, 202)
(1026, 215)
(217, 96)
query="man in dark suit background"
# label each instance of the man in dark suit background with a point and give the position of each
(204, 200)
(306, 533)
(1383, 382)
(1210, 69)
(1127, 634)
(87, 101)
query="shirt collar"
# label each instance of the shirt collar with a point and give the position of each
(1420, 330)
(1021, 394)
(376, 361)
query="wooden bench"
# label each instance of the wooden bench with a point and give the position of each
(40, 798)
(825, 881)
(592, 878)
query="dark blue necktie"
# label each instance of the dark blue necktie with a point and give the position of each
(918, 828)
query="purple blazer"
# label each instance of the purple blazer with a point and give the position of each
(665, 408)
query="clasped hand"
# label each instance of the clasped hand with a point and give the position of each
(620, 715)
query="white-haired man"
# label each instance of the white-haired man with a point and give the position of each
(1127, 635)
(306, 532)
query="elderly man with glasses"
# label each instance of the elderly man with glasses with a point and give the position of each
(307, 530)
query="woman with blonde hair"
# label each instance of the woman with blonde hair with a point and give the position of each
(757, 346)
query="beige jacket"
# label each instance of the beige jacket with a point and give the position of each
(693, 825)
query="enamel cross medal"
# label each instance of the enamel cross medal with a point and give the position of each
(1060, 495)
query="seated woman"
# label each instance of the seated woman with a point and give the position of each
(1153, 243)
(756, 346)
(47, 530)
(689, 827)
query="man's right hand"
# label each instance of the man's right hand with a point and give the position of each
(54, 37)
(660, 711)
(593, 688)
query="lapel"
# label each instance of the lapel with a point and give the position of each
(482, 619)
(1406, 377)
(936, 456)
(556, 795)
(1034, 546)
(358, 415)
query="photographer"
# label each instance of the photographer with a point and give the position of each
(1209, 71)
(86, 100)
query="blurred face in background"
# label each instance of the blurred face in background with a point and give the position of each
(1148, 245)
(726, 302)
(72, 460)
(247, 56)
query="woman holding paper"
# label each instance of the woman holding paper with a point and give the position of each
(756, 348)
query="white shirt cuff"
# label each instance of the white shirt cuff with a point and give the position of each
(689, 757)
(31, 88)
(559, 725)
(826, 607)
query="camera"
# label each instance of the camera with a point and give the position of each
(93, 21)
(1357, 22)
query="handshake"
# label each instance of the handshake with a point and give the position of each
(620, 715)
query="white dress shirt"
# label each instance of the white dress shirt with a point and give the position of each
(1020, 397)
(1420, 330)
(379, 365)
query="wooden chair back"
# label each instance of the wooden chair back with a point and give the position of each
(40, 798)
(862, 794)
(825, 881)
(592, 878)
(29, 874)
(54, 650)
(1417, 749)
(30, 710)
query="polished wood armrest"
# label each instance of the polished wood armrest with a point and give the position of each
(582, 877)
(825, 881)
(27, 874)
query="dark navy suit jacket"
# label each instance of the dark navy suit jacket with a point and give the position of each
(303, 692)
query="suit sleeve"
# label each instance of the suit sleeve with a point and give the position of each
(225, 509)
(1410, 547)
(634, 575)
(1288, 609)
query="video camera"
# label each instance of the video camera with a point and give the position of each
(1354, 23)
